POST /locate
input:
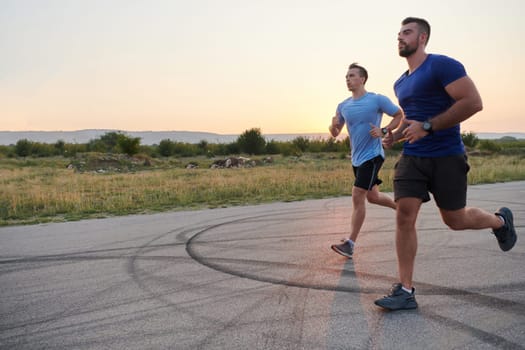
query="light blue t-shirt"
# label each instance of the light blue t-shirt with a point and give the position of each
(358, 114)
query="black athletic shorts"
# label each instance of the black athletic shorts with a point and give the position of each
(366, 173)
(444, 177)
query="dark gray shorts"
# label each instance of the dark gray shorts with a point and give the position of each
(366, 174)
(444, 177)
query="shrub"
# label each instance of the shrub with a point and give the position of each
(301, 143)
(470, 139)
(166, 148)
(489, 146)
(128, 145)
(252, 142)
(272, 147)
(23, 148)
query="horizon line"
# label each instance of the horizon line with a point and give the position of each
(225, 134)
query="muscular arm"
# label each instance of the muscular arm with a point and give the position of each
(467, 103)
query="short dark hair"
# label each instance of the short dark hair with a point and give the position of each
(362, 70)
(423, 25)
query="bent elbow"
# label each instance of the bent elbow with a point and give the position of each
(476, 105)
(479, 106)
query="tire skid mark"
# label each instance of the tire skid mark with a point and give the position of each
(475, 298)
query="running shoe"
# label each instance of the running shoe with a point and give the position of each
(345, 249)
(506, 234)
(398, 299)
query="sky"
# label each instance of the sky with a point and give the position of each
(226, 66)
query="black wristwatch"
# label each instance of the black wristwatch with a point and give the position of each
(427, 126)
(384, 131)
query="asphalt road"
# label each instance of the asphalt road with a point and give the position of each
(260, 277)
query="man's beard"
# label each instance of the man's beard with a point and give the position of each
(407, 51)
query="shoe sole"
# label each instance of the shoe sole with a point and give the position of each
(340, 252)
(411, 306)
(508, 245)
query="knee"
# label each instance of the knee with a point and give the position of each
(373, 198)
(454, 223)
(455, 219)
(359, 206)
(405, 219)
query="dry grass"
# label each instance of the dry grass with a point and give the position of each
(47, 192)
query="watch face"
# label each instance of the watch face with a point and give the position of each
(427, 126)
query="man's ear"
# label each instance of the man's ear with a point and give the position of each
(424, 38)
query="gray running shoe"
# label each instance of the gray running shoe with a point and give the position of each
(506, 234)
(398, 299)
(345, 249)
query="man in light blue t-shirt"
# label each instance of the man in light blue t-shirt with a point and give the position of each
(362, 113)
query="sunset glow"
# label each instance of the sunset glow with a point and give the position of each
(226, 66)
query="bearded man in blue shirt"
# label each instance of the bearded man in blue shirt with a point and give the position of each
(436, 95)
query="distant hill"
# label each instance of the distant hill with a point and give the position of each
(154, 137)
(84, 136)
(146, 137)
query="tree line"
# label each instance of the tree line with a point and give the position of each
(251, 142)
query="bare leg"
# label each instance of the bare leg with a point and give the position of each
(406, 238)
(470, 218)
(358, 211)
(374, 196)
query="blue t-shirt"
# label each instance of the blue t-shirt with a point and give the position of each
(358, 114)
(422, 96)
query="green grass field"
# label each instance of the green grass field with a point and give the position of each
(45, 190)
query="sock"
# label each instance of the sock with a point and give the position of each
(409, 291)
(502, 219)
